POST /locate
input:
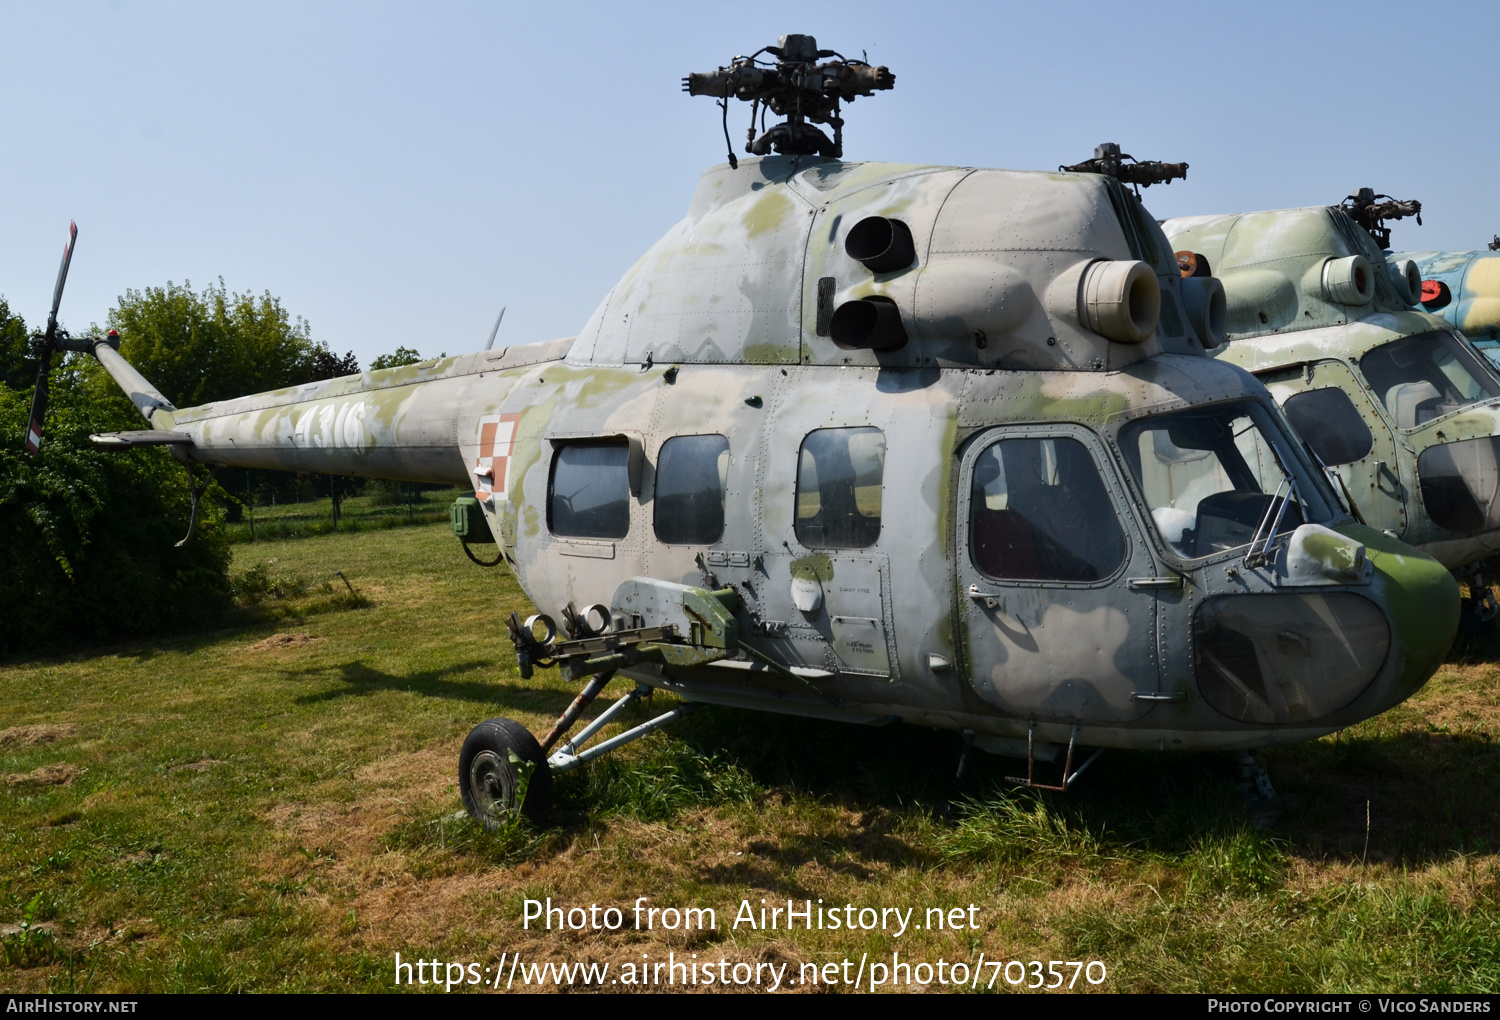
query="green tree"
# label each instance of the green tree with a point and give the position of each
(89, 536)
(328, 365)
(202, 347)
(17, 366)
(401, 356)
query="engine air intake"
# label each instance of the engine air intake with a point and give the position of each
(1119, 300)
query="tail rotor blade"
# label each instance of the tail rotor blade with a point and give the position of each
(43, 346)
(496, 329)
(38, 406)
(62, 278)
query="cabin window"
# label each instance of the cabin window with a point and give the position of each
(589, 495)
(1039, 511)
(1210, 474)
(1329, 423)
(691, 475)
(1459, 482)
(1426, 376)
(839, 479)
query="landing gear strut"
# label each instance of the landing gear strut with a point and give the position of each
(1253, 784)
(503, 769)
(1477, 619)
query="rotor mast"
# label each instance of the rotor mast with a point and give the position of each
(1366, 208)
(1125, 168)
(797, 87)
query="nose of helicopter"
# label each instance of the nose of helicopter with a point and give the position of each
(1421, 598)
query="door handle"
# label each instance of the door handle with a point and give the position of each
(1172, 583)
(990, 599)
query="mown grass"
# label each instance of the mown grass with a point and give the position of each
(272, 806)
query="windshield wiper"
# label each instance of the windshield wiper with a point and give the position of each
(1260, 559)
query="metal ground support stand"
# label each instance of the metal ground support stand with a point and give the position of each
(1253, 785)
(1069, 775)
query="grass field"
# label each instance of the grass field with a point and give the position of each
(271, 807)
(356, 513)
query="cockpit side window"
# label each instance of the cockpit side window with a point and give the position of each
(1210, 474)
(691, 475)
(840, 474)
(1423, 377)
(1039, 511)
(1329, 423)
(589, 492)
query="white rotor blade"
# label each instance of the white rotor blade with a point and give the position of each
(491, 342)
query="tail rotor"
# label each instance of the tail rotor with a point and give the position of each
(43, 345)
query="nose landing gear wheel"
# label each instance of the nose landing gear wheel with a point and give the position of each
(493, 787)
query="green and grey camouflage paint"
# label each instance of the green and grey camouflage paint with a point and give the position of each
(717, 330)
(1286, 328)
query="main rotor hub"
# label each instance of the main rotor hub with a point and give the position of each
(1125, 168)
(796, 87)
(1366, 208)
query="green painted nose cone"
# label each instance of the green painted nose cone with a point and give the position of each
(1422, 599)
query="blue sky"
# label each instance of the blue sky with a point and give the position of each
(397, 172)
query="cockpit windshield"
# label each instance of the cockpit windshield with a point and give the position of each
(1426, 376)
(1210, 474)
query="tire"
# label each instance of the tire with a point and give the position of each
(488, 781)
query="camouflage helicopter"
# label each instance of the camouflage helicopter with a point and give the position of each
(1464, 288)
(878, 442)
(1395, 402)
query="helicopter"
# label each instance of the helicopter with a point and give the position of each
(879, 442)
(1464, 288)
(1394, 402)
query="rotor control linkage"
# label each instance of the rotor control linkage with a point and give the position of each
(796, 87)
(1366, 208)
(1111, 162)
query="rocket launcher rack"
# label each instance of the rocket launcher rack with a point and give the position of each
(696, 626)
(581, 657)
(690, 627)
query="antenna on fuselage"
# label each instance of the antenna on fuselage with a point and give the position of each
(495, 329)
